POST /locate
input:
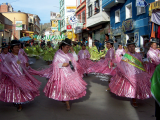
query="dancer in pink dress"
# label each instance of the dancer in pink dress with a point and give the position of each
(5, 52)
(65, 83)
(119, 53)
(105, 65)
(19, 86)
(131, 80)
(3, 55)
(21, 51)
(84, 58)
(154, 56)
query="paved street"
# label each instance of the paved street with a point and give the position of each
(96, 105)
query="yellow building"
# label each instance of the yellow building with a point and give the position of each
(18, 16)
(54, 23)
(30, 24)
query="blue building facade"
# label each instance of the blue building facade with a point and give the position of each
(127, 21)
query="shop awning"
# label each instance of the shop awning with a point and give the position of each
(25, 31)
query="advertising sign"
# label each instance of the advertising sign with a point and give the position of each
(18, 25)
(71, 9)
(69, 28)
(128, 25)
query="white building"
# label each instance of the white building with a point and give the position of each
(97, 19)
(67, 9)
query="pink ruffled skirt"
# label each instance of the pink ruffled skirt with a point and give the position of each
(102, 67)
(65, 88)
(85, 64)
(9, 92)
(122, 86)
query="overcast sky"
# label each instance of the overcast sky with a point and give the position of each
(41, 8)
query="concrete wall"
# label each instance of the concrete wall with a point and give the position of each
(17, 16)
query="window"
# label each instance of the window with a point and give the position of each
(128, 9)
(97, 8)
(90, 11)
(117, 16)
(78, 3)
(82, 1)
(79, 17)
(83, 17)
(140, 10)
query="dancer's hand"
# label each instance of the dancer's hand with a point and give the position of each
(65, 64)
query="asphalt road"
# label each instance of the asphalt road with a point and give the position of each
(98, 104)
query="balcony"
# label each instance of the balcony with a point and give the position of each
(97, 19)
(107, 4)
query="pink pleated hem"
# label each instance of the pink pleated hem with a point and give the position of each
(68, 98)
(122, 87)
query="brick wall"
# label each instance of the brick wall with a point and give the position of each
(4, 8)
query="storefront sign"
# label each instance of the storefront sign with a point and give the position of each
(71, 9)
(79, 24)
(69, 27)
(154, 5)
(1, 27)
(141, 3)
(72, 20)
(48, 37)
(128, 25)
(54, 28)
(78, 30)
(18, 25)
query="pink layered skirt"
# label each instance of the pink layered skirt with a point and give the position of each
(65, 87)
(85, 64)
(101, 67)
(137, 87)
(150, 67)
(9, 92)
